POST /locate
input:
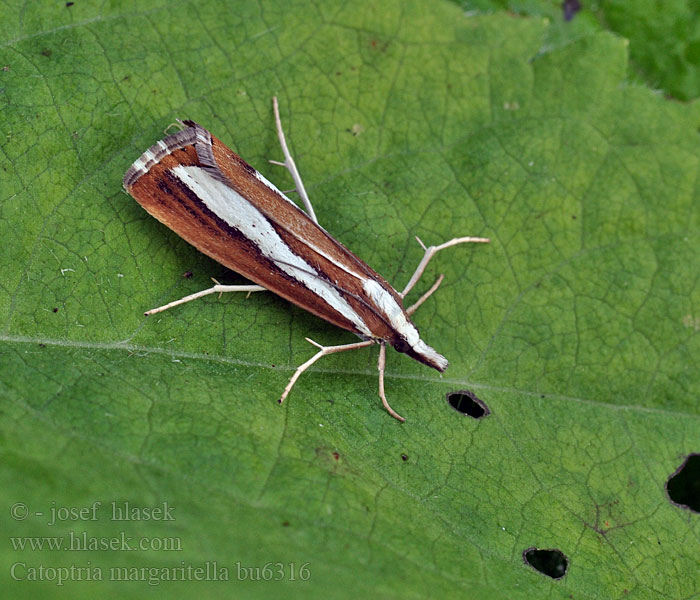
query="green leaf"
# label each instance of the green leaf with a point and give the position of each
(664, 36)
(664, 42)
(577, 326)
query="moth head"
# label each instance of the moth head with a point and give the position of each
(420, 351)
(404, 337)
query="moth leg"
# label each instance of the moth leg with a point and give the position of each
(216, 289)
(431, 251)
(414, 307)
(381, 363)
(177, 124)
(290, 165)
(323, 350)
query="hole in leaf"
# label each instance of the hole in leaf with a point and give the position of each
(551, 563)
(468, 403)
(683, 487)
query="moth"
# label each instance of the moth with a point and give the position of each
(195, 185)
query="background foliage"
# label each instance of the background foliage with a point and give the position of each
(664, 36)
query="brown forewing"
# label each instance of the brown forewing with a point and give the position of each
(166, 198)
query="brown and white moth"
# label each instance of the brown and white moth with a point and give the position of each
(207, 194)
